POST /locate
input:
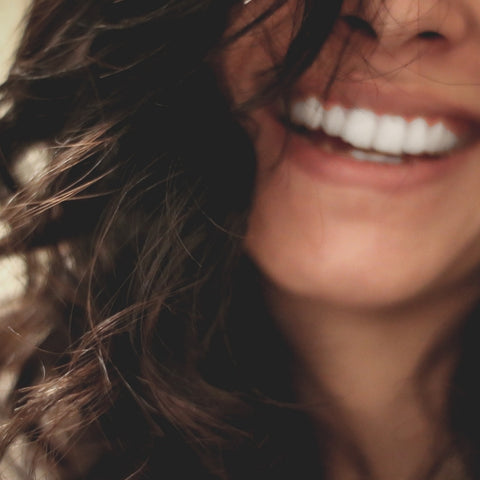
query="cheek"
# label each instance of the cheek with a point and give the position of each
(243, 67)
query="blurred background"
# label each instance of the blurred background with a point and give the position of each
(11, 14)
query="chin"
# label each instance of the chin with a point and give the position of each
(357, 235)
(351, 268)
(339, 284)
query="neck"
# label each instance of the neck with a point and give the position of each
(383, 374)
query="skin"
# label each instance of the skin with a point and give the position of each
(365, 281)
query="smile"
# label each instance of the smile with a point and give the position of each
(377, 138)
(372, 138)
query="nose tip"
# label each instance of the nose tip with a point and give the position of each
(396, 23)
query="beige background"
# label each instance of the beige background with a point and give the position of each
(11, 268)
(11, 13)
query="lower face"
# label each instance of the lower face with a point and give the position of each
(387, 230)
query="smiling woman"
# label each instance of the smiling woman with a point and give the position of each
(253, 249)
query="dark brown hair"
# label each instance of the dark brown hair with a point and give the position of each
(138, 345)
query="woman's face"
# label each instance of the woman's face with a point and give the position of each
(384, 210)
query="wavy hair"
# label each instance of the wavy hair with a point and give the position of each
(138, 343)
(139, 347)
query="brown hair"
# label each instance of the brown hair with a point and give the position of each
(140, 346)
(137, 346)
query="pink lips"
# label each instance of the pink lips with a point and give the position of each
(335, 166)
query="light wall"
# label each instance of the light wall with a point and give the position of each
(12, 269)
(11, 14)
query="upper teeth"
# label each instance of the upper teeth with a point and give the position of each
(364, 129)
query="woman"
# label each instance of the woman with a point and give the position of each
(252, 251)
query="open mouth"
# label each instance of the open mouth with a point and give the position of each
(366, 136)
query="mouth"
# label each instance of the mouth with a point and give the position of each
(366, 136)
(373, 140)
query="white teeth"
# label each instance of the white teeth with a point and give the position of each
(439, 138)
(375, 157)
(415, 137)
(449, 140)
(390, 135)
(434, 138)
(308, 113)
(334, 121)
(386, 134)
(360, 128)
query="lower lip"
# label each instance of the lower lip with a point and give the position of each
(338, 168)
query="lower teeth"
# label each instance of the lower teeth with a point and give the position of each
(375, 157)
(335, 145)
